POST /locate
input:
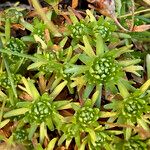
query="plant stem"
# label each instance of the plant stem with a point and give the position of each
(10, 77)
(133, 11)
(49, 23)
(2, 109)
(137, 12)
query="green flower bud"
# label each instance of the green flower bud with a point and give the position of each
(103, 70)
(15, 45)
(20, 135)
(87, 116)
(134, 107)
(5, 81)
(101, 139)
(39, 28)
(135, 145)
(78, 30)
(13, 15)
(71, 132)
(105, 29)
(40, 110)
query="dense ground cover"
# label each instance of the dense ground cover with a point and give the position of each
(75, 75)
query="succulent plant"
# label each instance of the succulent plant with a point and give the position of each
(91, 27)
(74, 83)
(87, 116)
(103, 140)
(39, 28)
(83, 121)
(20, 135)
(71, 130)
(13, 15)
(134, 106)
(103, 70)
(79, 29)
(15, 45)
(102, 67)
(42, 110)
(5, 81)
(105, 29)
(39, 111)
(133, 144)
(131, 108)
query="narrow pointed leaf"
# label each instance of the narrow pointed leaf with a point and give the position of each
(124, 92)
(16, 112)
(3, 123)
(51, 144)
(58, 89)
(99, 45)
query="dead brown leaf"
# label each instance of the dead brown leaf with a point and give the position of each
(74, 3)
(141, 28)
(34, 13)
(25, 96)
(18, 26)
(5, 146)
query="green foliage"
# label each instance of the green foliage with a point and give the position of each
(87, 116)
(79, 84)
(133, 143)
(5, 81)
(103, 70)
(15, 45)
(39, 28)
(13, 15)
(103, 140)
(40, 110)
(20, 135)
(91, 27)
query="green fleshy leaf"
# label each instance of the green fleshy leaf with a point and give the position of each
(30, 88)
(124, 92)
(145, 86)
(77, 69)
(99, 46)
(63, 42)
(86, 59)
(49, 123)
(143, 124)
(61, 139)
(39, 147)
(3, 123)
(63, 104)
(89, 88)
(87, 49)
(117, 52)
(43, 132)
(106, 114)
(73, 17)
(68, 142)
(7, 29)
(92, 18)
(16, 112)
(32, 130)
(77, 140)
(35, 65)
(92, 134)
(147, 65)
(51, 144)
(58, 89)
(128, 131)
(129, 62)
(133, 69)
